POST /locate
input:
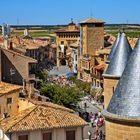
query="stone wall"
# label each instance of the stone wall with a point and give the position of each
(11, 108)
(125, 131)
(109, 88)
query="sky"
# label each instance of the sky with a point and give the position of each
(55, 12)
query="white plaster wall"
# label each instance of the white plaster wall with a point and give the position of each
(35, 135)
(60, 134)
(57, 134)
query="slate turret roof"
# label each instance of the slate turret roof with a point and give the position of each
(126, 99)
(119, 59)
(114, 46)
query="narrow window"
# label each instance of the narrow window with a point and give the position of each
(9, 100)
(23, 137)
(70, 135)
(47, 136)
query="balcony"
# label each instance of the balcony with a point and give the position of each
(97, 76)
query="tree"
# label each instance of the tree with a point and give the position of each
(83, 86)
(65, 95)
(42, 75)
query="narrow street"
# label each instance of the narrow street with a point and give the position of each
(90, 108)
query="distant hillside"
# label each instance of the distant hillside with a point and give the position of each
(132, 30)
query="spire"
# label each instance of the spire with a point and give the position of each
(113, 48)
(120, 58)
(126, 99)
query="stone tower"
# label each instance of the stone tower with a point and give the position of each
(116, 67)
(91, 36)
(123, 113)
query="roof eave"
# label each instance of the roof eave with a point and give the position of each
(120, 118)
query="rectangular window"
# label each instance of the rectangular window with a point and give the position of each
(47, 136)
(70, 135)
(9, 100)
(23, 137)
(75, 57)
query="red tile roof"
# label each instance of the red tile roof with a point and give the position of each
(100, 67)
(51, 105)
(7, 88)
(40, 117)
(91, 20)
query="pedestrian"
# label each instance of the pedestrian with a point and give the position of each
(99, 114)
(101, 135)
(89, 135)
(96, 134)
(92, 121)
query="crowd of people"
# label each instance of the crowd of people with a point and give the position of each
(60, 80)
(97, 121)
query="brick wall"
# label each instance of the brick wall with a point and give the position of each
(95, 39)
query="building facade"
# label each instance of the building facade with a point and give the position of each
(9, 94)
(91, 41)
(52, 124)
(65, 37)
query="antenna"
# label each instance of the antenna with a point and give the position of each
(91, 13)
(127, 21)
(71, 20)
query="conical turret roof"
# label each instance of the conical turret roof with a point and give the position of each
(120, 58)
(126, 99)
(113, 48)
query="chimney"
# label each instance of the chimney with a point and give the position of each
(6, 43)
(5, 115)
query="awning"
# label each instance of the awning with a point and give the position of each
(70, 74)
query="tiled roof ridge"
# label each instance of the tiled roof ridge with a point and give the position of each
(92, 20)
(11, 51)
(50, 105)
(35, 107)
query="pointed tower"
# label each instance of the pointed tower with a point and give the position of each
(116, 67)
(113, 48)
(123, 113)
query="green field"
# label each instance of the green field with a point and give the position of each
(132, 31)
(131, 34)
